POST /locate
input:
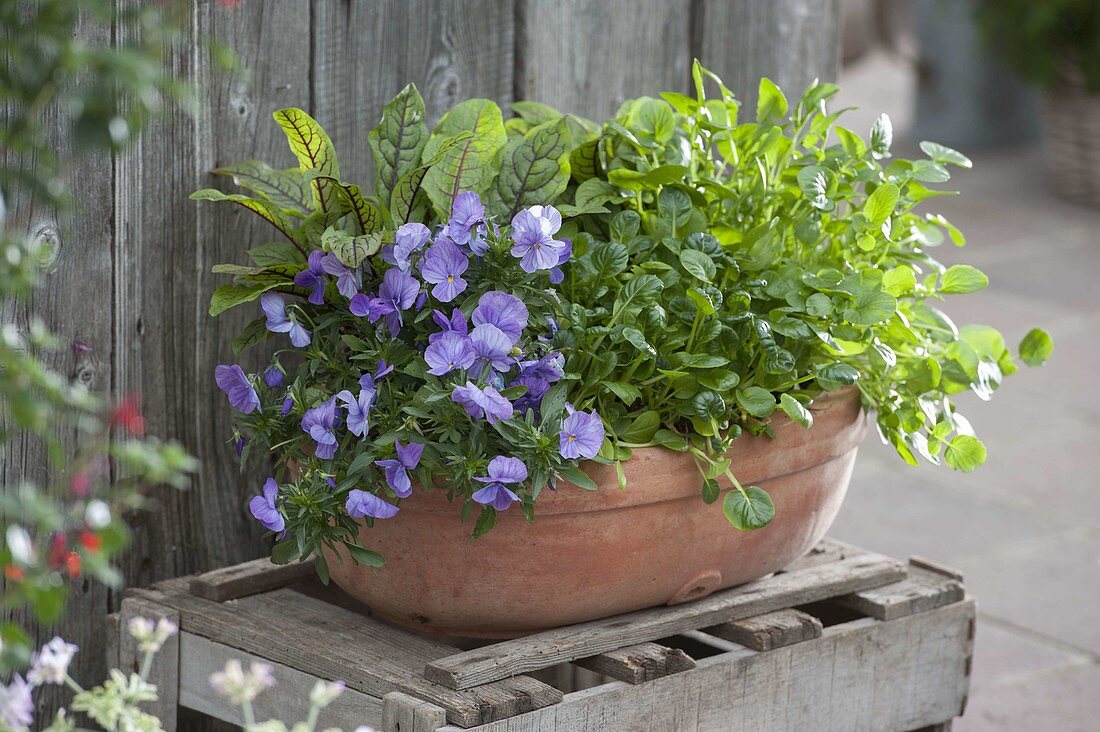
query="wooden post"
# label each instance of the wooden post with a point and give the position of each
(165, 671)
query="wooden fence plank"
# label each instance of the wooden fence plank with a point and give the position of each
(248, 578)
(365, 51)
(332, 643)
(288, 701)
(482, 665)
(640, 662)
(70, 301)
(789, 41)
(588, 56)
(166, 346)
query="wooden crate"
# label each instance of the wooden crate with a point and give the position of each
(843, 639)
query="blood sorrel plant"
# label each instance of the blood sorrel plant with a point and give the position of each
(727, 270)
(412, 353)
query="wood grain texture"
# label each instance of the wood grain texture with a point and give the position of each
(865, 674)
(365, 51)
(288, 701)
(166, 346)
(70, 302)
(588, 56)
(248, 578)
(404, 713)
(329, 642)
(640, 662)
(791, 42)
(922, 590)
(165, 670)
(770, 630)
(482, 665)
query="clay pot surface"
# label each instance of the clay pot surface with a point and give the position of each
(592, 554)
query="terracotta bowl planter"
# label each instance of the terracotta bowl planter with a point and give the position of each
(591, 554)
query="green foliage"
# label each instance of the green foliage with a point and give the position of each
(745, 268)
(62, 63)
(723, 272)
(1042, 40)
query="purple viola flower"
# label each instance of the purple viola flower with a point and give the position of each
(238, 446)
(361, 503)
(536, 390)
(383, 369)
(537, 376)
(442, 266)
(358, 408)
(533, 240)
(399, 289)
(581, 434)
(371, 307)
(482, 403)
(556, 273)
(448, 352)
(505, 311)
(407, 239)
(550, 367)
(456, 324)
(397, 477)
(491, 348)
(347, 282)
(320, 424)
(288, 404)
(467, 224)
(502, 472)
(313, 276)
(274, 307)
(273, 376)
(263, 507)
(233, 381)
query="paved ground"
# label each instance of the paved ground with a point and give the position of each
(1025, 528)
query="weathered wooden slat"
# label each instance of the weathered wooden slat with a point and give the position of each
(248, 578)
(792, 42)
(828, 684)
(166, 345)
(288, 701)
(770, 630)
(922, 590)
(638, 663)
(825, 551)
(329, 642)
(482, 665)
(72, 301)
(582, 56)
(164, 672)
(404, 713)
(365, 51)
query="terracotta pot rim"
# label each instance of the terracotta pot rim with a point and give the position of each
(747, 452)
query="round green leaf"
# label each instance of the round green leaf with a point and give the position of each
(1036, 347)
(698, 265)
(756, 401)
(960, 279)
(750, 509)
(964, 453)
